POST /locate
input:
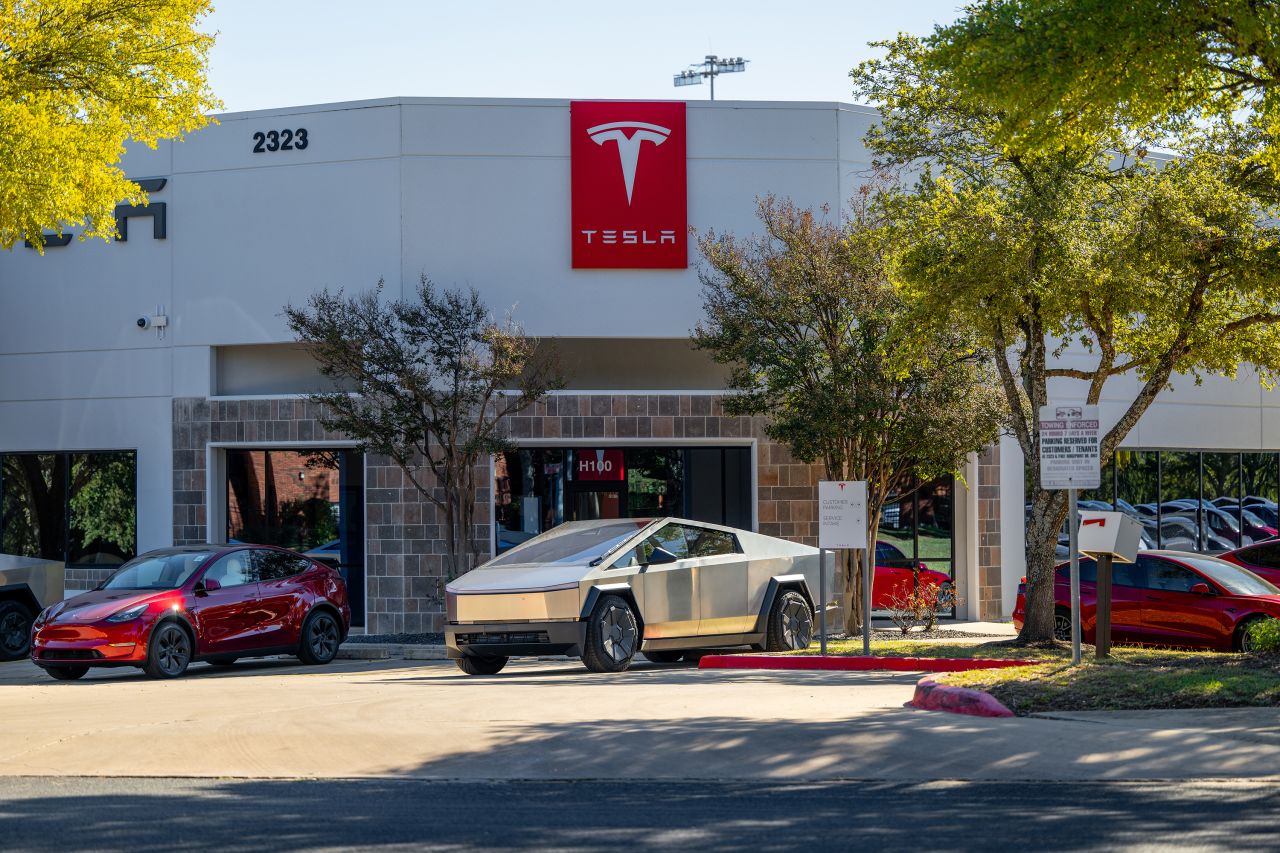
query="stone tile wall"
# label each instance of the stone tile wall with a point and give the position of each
(405, 564)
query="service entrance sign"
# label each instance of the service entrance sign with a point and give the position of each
(842, 508)
(1069, 446)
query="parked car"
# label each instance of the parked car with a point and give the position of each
(1261, 558)
(27, 584)
(606, 590)
(1167, 598)
(896, 574)
(215, 603)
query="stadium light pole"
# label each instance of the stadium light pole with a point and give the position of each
(711, 67)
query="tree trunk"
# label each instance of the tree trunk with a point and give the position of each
(1048, 511)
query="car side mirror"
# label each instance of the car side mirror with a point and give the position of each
(208, 585)
(1201, 589)
(659, 556)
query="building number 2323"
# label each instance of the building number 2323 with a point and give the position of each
(280, 140)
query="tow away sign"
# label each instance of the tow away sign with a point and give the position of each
(1069, 446)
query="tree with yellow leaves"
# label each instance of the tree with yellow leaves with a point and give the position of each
(79, 78)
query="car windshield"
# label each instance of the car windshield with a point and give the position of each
(570, 544)
(157, 571)
(1236, 579)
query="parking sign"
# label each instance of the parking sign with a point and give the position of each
(1069, 446)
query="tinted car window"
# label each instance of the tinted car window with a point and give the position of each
(235, 569)
(1266, 555)
(277, 565)
(1088, 571)
(710, 543)
(1170, 577)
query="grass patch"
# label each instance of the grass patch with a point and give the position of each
(1133, 678)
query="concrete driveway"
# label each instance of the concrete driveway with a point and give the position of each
(537, 720)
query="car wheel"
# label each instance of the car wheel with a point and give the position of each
(320, 638)
(223, 661)
(664, 657)
(169, 651)
(1244, 635)
(15, 630)
(790, 623)
(1062, 625)
(66, 673)
(482, 665)
(612, 636)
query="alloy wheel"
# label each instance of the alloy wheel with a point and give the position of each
(797, 625)
(618, 632)
(1246, 639)
(13, 630)
(1062, 627)
(174, 650)
(324, 637)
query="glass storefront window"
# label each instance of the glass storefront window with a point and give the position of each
(77, 508)
(1220, 506)
(536, 489)
(918, 527)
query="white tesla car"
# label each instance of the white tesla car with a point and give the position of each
(609, 589)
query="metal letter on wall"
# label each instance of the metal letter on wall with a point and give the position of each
(158, 211)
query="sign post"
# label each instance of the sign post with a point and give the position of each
(842, 514)
(1069, 459)
(1107, 537)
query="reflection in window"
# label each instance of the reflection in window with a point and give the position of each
(917, 526)
(79, 508)
(288, 498)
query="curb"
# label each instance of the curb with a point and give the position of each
(855, 663)
(932, 696)
(385, 651)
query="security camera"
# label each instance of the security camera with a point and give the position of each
(144, 322)
(155, 321)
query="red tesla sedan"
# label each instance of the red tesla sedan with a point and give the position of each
(216, 603)
(894, 577)
(1261, 558)
(1167, 598)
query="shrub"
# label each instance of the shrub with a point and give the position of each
(920, 606)
(1265, 635)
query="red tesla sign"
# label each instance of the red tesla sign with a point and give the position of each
(629, 196)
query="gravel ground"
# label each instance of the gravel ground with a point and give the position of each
(400, 639)
(935, 634)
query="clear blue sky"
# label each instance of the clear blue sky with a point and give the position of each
(292, 52)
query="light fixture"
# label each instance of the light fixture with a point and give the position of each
(711, 67)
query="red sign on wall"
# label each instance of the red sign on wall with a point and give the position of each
(600, 465)
(629, 195)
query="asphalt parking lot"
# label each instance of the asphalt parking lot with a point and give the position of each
(554, 720)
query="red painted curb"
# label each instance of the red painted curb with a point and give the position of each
(855, 663)
(932, 696)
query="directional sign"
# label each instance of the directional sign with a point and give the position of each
(842, 512)
(1069, 446)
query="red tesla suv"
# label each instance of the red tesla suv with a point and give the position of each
(216, 603)
(1167, 598)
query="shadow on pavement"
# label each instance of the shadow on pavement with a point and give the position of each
(146, 814)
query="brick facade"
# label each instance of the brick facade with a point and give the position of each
(405, 565)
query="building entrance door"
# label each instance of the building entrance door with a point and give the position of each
(590, 504)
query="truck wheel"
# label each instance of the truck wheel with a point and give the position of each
(664, 657)
(612, 636)
(15, 630)
(790, 623)
(477, 665)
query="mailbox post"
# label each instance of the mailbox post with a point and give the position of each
(1107, 537)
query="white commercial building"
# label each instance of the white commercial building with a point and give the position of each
(199, 421)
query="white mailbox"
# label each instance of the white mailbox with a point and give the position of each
(1111, 533)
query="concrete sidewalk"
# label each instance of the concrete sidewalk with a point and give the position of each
(278, 719)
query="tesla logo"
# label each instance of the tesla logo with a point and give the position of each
(842, 485)
(640, 221)
(628, 147)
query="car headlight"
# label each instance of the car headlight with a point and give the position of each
(128, 615)
(43, 616)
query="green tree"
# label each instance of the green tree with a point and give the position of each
(1065, 71)
(77, 79)
(823, 346)
(426, 382)
(1146, 271)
